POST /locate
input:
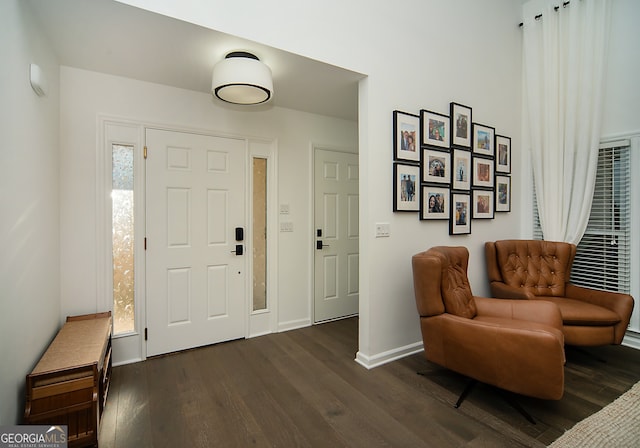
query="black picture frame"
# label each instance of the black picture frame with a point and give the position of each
(503, 193)
(483, 204)
(436, 166)
(461, 124)
(434, 203)
(406, 140)
(461, 169)
(483, 140)
(460, 219)
(435, 129)
(483, 172)
(406, 183)
(503, 154)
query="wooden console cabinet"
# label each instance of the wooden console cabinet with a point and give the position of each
(69, 385)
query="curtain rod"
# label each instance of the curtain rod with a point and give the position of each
(555, 8)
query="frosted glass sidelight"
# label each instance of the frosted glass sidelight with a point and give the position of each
(123, 239)
(259, 234)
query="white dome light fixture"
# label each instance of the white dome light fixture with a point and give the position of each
(241, 78)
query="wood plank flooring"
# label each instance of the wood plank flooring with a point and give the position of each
(302, 388)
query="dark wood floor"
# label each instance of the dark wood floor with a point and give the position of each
(302, 388)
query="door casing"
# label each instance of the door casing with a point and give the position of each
(347, 274)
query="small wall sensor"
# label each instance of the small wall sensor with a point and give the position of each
(38, 83)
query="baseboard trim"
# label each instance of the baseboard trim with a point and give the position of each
(258, 334)
(632, 339)
(127, 361)
(294, 324)
(370, 362)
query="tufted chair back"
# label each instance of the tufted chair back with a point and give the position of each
(441, 283)
(538, 268)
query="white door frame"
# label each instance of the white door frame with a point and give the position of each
(129, 347)
(312, 231)
(132, 347)
(264, 321)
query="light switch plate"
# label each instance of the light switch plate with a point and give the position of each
(383, 230)
(286, 227)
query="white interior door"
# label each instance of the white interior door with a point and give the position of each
(336, 204)
(195, 277)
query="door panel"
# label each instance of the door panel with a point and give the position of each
(331, 213)
(178, 295)
(336, 217)
(195, 199)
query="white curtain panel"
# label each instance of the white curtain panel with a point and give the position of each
(564, 56)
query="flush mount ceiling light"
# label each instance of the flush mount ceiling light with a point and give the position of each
(241, 78)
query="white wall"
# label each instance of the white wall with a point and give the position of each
(417, 54)
(621, 113)
(29, 286)
(85, 95)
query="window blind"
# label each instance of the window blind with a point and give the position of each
(537, 229)
(603, 255)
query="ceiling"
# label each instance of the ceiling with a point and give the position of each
(110, 37)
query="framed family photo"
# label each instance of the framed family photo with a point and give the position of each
(503, 154)
(435, 166)
(406, 180)
(482, 172)
(460, 125)
(503, 193)
(435, 129)
(461, 170)
(483, 204)
(405, 142)
(434, 203)
(460, 221)
(483, 140)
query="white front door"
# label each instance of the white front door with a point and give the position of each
(336, 205)
(195, 200)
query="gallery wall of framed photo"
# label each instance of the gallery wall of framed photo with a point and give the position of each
(448, 167)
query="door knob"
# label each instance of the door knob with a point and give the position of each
(320, 245)
(239, 249)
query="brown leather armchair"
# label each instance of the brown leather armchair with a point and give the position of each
(512, 344)
(540, 270)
